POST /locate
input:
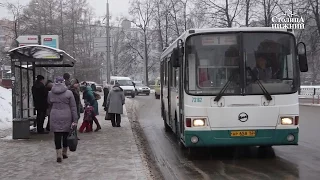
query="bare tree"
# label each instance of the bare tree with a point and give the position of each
(143, 12)
(224, 13)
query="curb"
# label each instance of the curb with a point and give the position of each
(308, 104)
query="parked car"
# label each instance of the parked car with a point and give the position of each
(142, 89)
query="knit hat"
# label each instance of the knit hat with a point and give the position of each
(59, 80)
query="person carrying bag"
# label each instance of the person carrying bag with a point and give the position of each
(73, 139)
(105, 94)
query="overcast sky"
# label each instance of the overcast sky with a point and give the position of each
(117, 7)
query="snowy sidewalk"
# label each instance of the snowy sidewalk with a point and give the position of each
(105, 155)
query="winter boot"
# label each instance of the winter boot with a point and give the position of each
(64, 153)
(59, 155)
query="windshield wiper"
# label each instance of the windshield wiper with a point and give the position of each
(265, 92)
(220, 94)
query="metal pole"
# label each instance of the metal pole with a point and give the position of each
(108, 43)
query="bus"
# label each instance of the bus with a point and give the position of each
(232, 87)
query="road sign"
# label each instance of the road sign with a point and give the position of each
(28, 40)
(50, 40)
(99, 44)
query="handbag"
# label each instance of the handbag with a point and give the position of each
(96, 96)
(107, 117)
(72, 139)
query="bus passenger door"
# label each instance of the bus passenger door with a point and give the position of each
(165, 91)
(173, 100)
(168, 89)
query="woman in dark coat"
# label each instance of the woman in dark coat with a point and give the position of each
(75, 89)
(63, 116)
(105, 94)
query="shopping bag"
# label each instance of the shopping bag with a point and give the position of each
(73, 139)
(107, 117)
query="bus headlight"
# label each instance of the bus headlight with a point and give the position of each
(199, 122)
(286, 121)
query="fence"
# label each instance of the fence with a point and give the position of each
(310, 92)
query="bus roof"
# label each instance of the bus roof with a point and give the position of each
(207, 30)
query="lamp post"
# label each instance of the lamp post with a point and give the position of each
(108, 43)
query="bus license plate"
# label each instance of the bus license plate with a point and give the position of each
(243, 133)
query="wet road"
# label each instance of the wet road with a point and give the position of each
(287, 162)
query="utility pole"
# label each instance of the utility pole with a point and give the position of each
(108, 44)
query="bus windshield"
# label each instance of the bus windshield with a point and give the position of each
(213, 59)
(125, 82)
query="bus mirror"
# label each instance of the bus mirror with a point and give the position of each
(302, 54)
(175, 58)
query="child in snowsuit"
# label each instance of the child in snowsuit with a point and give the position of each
(89, 116)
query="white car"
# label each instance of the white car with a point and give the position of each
(125, 83)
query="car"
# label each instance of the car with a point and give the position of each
(99, 87)
(126, 84)
(142, 89)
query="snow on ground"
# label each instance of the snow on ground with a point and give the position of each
(5, 109)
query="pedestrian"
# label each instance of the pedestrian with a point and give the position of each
(90, 98)
(40, 95)
(75, 89)
(88, 118)
(115, 102)
(63, 115)
(66, 77)
(48, 85)
(94, 87)
(105, 94)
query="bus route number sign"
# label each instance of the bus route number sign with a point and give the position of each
(196, 99)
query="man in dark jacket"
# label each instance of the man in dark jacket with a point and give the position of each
(40, 95)
(105, 94)
(66, 77)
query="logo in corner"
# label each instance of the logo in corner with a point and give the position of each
(243, 117)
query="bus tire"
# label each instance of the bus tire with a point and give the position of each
(133, 95)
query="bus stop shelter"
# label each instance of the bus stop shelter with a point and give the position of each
(26, 64)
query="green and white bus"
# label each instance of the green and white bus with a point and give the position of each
(233, 87)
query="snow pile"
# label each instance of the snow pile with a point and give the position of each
(5, 108)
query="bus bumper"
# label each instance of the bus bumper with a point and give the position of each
(264, 137)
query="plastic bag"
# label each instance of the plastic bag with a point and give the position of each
(73, 139)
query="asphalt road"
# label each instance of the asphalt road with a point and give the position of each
(281, 162)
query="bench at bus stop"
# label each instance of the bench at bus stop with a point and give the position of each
(21, 126)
